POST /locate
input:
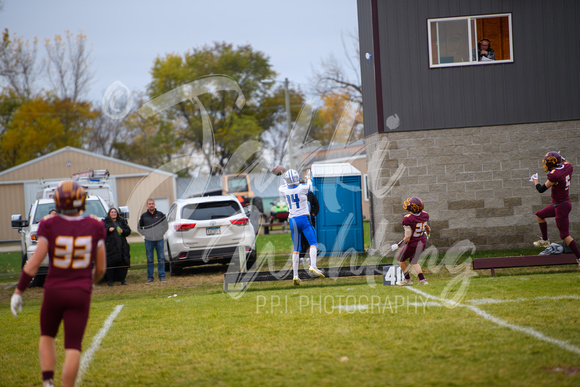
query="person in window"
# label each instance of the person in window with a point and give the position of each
(484, 51)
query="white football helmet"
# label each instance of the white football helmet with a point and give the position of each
(291, 177)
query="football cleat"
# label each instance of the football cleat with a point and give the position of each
(541, 243)
(413, 204)
(316, 272)
(554, 248)
(296, 281)
(423, 282)
(291, 177)
(551, 160)
(406, 282)
(69, 196)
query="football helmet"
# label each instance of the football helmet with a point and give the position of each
(413, 204)
(69, 196)
(551, 160)
(291, 177)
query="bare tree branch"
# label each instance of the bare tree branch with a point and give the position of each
(18, 67)
(334, 77)
(68, 65)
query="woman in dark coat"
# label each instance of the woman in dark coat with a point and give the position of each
(118, 251)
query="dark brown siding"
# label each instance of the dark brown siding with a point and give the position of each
(541, 85)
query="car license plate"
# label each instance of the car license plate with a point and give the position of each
(212, 231)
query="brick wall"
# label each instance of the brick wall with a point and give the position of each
(474, 182)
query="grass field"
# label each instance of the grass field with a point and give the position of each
(519, 328)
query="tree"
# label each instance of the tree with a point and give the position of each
(150, 142)
(338, 121)
(18, 68)
(272, 116)
(33, 122)
(339, 86)
(68, 65)
(43, 125)
(341, 77)
(231, 126)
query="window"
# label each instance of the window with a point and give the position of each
(470, 40)
(210, 210)
(41, 211)
(171, 214)
(237, 184)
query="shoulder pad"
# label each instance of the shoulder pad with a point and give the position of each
(406, 216)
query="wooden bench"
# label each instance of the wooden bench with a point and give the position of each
(283, 275)
(523, 261)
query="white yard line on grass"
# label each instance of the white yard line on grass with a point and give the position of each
(483, 301)
(87, 356)
(498, 321)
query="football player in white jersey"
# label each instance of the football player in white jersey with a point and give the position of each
(296, 195)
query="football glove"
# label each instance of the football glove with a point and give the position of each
(534, 176)
(16, 304)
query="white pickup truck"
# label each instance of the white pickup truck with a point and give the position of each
(27, 228)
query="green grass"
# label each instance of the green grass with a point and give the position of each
(277, 334)
(280, 335)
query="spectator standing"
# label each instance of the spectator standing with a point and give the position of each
(153, 225)
(118, 249)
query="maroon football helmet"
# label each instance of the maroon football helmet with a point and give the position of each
(69, 196)
(551, 161)
(413, 204)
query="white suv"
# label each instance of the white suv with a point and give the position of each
(204, 230)
(94, 205)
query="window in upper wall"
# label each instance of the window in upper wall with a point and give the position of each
(470, 40)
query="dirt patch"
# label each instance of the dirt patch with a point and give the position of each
(568, 371)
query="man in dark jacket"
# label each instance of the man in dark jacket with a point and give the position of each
(153, 225)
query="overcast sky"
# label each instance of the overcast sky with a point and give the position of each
(127, 35)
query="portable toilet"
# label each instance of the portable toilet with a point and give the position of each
(339, 224)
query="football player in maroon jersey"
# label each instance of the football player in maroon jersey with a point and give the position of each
(559, 179)
(76, 250)
(416, 228)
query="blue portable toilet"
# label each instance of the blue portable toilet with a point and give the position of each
(339, 224)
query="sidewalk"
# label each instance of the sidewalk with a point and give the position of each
(15, 246)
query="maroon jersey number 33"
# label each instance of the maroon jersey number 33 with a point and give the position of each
(72, 250)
